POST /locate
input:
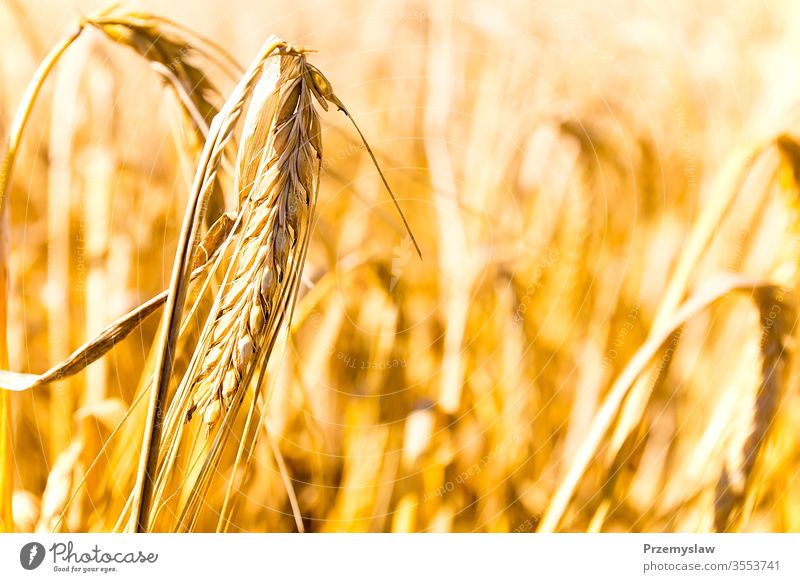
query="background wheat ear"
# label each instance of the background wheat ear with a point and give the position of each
(174, 52)
(171, 50)
(778, 317)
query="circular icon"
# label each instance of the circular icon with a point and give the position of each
(31, 555)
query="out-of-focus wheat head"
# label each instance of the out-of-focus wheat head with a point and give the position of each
(600, 336)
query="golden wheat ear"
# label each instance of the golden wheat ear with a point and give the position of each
(323, 92)
(738, 480)
(276, 180)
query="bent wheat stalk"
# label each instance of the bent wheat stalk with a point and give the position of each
(119, 329)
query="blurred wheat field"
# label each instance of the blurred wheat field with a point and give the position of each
(600, 335)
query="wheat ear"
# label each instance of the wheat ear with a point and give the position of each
(278, 171)
(734, 483)
(219, 135)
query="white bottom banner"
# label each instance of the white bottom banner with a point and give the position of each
(407, 558)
